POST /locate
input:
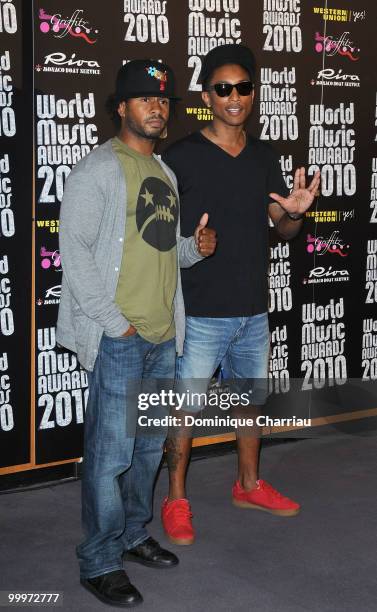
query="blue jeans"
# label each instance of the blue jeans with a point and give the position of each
(120, 464)
(239, 344)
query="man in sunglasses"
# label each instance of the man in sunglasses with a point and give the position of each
(236, 179)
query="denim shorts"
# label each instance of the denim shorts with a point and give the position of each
(240, 345)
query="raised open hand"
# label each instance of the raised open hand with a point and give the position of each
(301, 197)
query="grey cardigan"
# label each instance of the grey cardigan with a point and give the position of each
(91, 235)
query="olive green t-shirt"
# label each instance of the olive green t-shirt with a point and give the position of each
(148, 274)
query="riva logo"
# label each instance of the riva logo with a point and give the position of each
(54, 291)
(321, 274)
(334, 78)
(60, 62)
(52, 296)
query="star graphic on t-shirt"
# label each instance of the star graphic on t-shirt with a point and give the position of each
(172, 199)
(148, 197)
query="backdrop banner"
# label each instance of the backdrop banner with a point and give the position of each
(15, 233)
(315, 103)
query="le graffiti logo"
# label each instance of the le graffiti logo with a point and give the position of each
(50, 258)
(75, 26)
(333, 245)
(337, 45)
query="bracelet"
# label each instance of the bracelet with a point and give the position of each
(295, 218)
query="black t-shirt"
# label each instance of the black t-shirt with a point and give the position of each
(234, 192)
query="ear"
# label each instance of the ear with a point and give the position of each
(206, 98)
(122, 110)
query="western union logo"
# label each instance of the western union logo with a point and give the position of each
(51, 224)
(330, 14)
(202, 114)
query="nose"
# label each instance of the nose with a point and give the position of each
(235, 96)
(154, 104)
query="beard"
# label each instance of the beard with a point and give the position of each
(145, 130)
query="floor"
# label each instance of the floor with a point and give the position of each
(322, 560)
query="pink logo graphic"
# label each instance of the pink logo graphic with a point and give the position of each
(333, 245)
(336, 46)
(74, 26)
(50, 258)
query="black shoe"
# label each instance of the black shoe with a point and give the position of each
(113, 588)
(151, 554)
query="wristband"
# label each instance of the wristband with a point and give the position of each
(295, 218)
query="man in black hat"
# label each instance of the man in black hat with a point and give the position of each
(122, 312)
(236, 179)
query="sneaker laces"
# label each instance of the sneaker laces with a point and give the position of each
(182, 510)
(264, 485)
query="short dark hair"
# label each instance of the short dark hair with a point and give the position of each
(227, 54)
(111, 105)
(209, 77)
(206, 82)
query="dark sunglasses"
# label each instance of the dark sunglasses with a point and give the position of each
(224, 90)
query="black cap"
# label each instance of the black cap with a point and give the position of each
(145, 77)
(227, 54)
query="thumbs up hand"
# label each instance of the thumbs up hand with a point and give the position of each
(205, 238)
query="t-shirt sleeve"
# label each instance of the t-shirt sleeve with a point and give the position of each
(275, 180)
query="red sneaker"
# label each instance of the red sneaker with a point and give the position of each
(176, 520)
(264, 497)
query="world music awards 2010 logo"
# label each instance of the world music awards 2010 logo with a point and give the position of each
(75, 26)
